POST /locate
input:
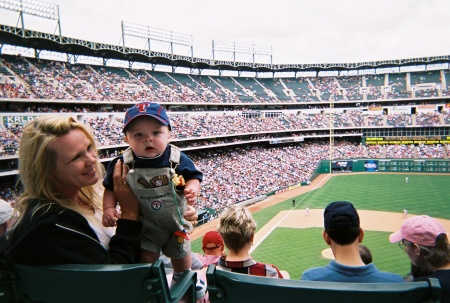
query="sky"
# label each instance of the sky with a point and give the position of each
(297, 31)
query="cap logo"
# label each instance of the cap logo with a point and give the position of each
(142, 106)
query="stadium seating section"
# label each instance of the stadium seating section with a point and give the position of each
(224, 286)
(210, 111)
(93, 283)
(147, 283)
(31, 77)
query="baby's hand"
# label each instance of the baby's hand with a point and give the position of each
(110, 215)
(191, 196)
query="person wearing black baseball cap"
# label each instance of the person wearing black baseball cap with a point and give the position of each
(343, 234)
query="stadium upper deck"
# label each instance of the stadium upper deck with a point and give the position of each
(31, 78)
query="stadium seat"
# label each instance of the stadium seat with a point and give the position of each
(132, 283)
(224, 286)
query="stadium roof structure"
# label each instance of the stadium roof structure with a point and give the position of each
(57, 43)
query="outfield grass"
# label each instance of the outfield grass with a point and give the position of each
(424, 194)
(295, 250)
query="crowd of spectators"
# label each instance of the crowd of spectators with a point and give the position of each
(399, 151)
(446, 117)
(426, 93)
(352, 87)
(243, 173)
(9, 142)
(108, 131)
(237, 174)
(375, 120)
(397, 84)
(14, 90)
(399, 120)
(428, 119)
(45, 79)
(434, 151)
(7, 192)
(374, 84)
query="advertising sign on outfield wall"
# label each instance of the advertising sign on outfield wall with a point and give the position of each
(342, 164)
(371, 165)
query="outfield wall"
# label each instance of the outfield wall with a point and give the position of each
(375, 165)
(387, 165)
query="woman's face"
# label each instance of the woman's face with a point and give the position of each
(413, 253)
(75, 163)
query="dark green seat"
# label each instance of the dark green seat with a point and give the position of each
(127, 283)
(226, 286)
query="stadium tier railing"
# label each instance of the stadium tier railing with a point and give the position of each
(224, 286)
(132, 283)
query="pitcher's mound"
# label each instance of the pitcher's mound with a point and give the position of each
(327, 253)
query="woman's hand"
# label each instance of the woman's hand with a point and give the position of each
(191, 215)
(129, 205)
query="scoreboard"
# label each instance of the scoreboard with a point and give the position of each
(406, 140)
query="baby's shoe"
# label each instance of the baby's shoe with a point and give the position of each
(200, 288)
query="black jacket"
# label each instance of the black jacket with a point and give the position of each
(57, 235)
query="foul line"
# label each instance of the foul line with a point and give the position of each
(287, 214)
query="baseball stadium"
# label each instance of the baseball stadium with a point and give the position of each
(281, 140)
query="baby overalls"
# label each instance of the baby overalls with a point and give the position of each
(161, 206)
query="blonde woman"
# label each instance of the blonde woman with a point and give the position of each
(60, 210)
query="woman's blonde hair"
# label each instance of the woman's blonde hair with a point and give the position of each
(37, 160)
(237, 227)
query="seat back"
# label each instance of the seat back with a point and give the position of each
(224, 286)
(77, 283)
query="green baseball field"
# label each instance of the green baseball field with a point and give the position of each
(292, 238)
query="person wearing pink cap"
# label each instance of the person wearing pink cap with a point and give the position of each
(425, 241)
